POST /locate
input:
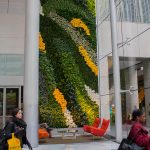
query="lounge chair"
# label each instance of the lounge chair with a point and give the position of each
(102, 130)
(96, 123)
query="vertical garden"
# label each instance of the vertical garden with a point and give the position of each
(68, 63)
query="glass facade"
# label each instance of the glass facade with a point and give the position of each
(11, 65)
(127, 10)
(133, 33)
(135, 10)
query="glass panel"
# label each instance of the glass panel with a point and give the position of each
(21, 97)
(12, 96)
(2, 65)
(14, 65)
(1, 107)
(133, 10)
(11, 65)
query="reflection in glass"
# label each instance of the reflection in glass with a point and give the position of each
(1, 107)
(1, 101)
(12, 96)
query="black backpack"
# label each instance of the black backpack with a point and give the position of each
(3, 140)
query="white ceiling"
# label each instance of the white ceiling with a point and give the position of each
(12, 7)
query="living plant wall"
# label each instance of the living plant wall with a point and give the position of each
(68, 63)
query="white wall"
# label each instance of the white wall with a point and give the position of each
(12, 6)
(139, 47)
(12, 34)
(12, 28)
(11, 80)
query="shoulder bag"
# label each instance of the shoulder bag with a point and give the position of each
(127, 144)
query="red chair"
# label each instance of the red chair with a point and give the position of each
(96, 123)
(102, 130)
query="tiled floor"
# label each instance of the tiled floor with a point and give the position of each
(102, 145)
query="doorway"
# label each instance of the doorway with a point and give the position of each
(10, 98)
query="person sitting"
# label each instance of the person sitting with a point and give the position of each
(47, 129)
(138, 131)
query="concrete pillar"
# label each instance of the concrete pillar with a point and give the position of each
(103, 77)
(31, 74)
(104, 89)
(116, 71)
(98, 51)
(131, 79)
(146, 66)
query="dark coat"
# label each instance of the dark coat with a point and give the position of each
(18, 127)
(141, 138)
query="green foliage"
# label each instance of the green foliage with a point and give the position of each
(48, 73)
(49, 28)
(50, 110)
(79, 116)
(68, 80)
(69, 10)
(70, 69)
(52, 5)
(91, 6)
(72, 74)
(82, 3)
(62, 81)
(90, 108)
(89, 77)
(43, 2)
(89, 21)
(87, 4)
(64, 67)
(52, 114)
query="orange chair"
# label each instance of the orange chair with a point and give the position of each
(102, 130)
(43, 133)
(96, 123)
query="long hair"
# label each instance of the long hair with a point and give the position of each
(15, 111)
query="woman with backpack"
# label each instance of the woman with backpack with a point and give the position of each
(17, 126)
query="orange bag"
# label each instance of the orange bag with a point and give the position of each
(43, 133)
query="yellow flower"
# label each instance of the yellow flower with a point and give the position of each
(41, 44)
(60, 99)
(88, 60)
(75, 22)
(141, 95)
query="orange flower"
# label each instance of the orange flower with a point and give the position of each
(88, 60)
(60, 99)
(75, 22)
(141, 95)
(41, 44)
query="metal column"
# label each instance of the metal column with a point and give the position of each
(31, 75)
(97, 37)
(4, 106)
(116, 71)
